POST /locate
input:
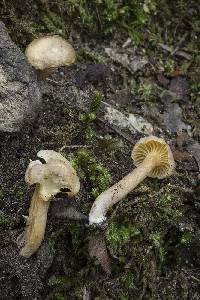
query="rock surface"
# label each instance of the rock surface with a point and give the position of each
(19, 92)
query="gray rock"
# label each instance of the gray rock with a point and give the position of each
(19, 92)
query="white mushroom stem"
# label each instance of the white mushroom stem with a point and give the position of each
(120, 189)
(36, 224)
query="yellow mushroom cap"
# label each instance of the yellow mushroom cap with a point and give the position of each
(157, 147)
(50, 52)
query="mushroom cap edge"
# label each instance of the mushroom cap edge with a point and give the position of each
(50, 51)
(153, 144)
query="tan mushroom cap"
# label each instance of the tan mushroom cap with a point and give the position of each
(158, 147)
(51, 154)
(55, 175)
(50, 52)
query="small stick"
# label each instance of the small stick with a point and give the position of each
(74, 146)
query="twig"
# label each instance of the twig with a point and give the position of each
(179, 43)
(86, 294)
(198, 280)
(4, 3)
(53, 81)
(74, 146)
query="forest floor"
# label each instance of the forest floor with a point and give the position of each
(137, 73)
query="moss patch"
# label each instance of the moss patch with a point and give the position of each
(6, 221)
(91, 170)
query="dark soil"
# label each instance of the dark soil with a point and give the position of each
(153, 236)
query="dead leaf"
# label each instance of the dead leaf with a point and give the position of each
(122, 96)
(165, 47)
(134, 123)
(181, 155)
(162, 80)
(194, 149)
(180, 86)
(172, 118)
(140, 124)
(45, 2)
(177, 72)
(184, 54)
(186, 161)
(86, 293)
(131, 62)
(97, 248)
(182, 138)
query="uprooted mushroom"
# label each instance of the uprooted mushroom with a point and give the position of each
(56, 175)
(152, 157)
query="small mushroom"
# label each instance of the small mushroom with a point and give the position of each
(56, 175)
(152, 157)
(47, 53)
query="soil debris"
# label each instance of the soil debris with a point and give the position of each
(194, 149)
(180, 86)
(97, 248)
(133, 63)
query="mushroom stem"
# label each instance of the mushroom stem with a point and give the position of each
(37, 219)
(42, 74)
(120, 189)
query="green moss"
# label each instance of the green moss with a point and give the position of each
(59, 296)
(53, 239)
(142, 223)
(106, 16)
(169, 66)
(148, 93)
(167, 211)
(118, 234)
(92, 171)
(90, 116)
(111, 146)
(20, 192)
(22, 29)
(123, 297)
(89, 134)
(156, 237)
(77, 236)
(54, 23)
(85, 54)
(57, 281)
(87, 118)
(186, 237)
(195, 124)
(6, 221)
(127, 280)
(1, 194)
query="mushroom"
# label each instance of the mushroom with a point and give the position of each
(152, 157)
(48, 53)
(57, 175)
